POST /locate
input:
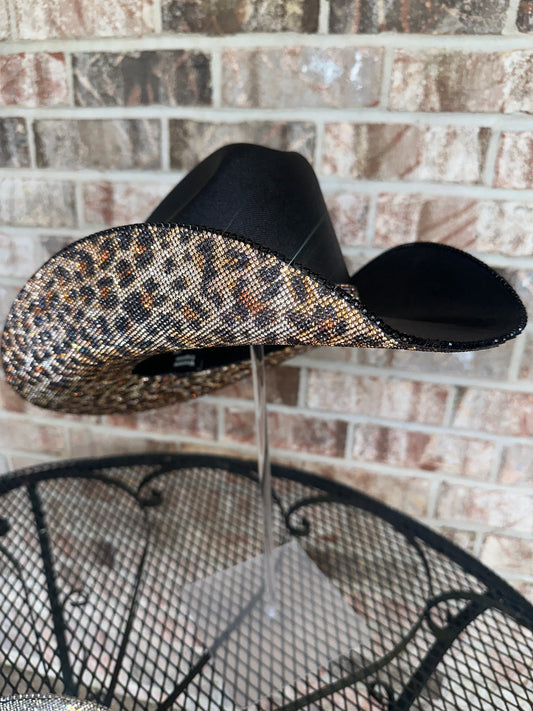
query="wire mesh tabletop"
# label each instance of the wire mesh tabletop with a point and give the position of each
(96, 554)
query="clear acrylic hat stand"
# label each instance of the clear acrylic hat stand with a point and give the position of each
(275, 619)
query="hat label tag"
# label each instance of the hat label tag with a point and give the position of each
(184, 360)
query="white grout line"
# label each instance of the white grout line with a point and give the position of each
(433, 496)
(69, 69)
(489, 168)
(79, 206)
(323, 17)
(302, 388)
(510, 27)
(329, 184)
(31, 144)
(386, 372)
(449, 410)
(158, 19)
(253, 40)
(349, 443)
(319, 145)
(216, 78)
(221, 424)
(386, 74)
(478, 543)
(515, 361)
(353, 115)
(165, 144)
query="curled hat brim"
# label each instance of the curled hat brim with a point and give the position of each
(108, 323)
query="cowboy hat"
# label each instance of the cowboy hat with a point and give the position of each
(242, 252)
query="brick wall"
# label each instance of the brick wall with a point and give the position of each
(418, 119)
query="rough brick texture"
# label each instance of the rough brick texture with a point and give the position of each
(524, 20)
(514, 167)
(301, 76)
(37, 202)
(499, 226)
(219, 17)
(462, 81)
(462, 17)
(33, 79)
(190, 141)
(43, 20)
(14, 151)
(405, 152)
(102, 144)
(170, 78)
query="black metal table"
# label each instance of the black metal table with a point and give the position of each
(95, 553)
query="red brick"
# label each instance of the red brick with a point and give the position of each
(37, 203)
(458, 456)
(294, 432)
(495, 508)
(464, 539)
(408, 494)
(391, 398)
(32, 437)
(500, 412)
(170, 78)
(281, 387)
(403, 152)
(37, 79)
(18, 255)
(491, 226)
(106, 203)
(195, 419)
(191, 141)
(514, 163)
(490, 363)
(517, 465)
(301, 76)
(349, 214)
(99, 143)
(88, 443)
(475, 17)
(434, 80)
(218, 17)
(14, 149)
(505, 553)
(39, 19)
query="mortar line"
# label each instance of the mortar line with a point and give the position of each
(303, 379)
(451, 402)
(386, 372)
(350, 442)
(165, 144)
(253, 40)
(329, 184)
(79, 205)
(216, 78)
(69, 71)
(351, 115)
(511, 15)
(323, 17)
(31, 144)
(489, 169)
(433, 495)
(386, 78)
(515, 362)
(319, 145)
(158, 17)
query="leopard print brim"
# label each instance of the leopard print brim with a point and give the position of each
(84, 322)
